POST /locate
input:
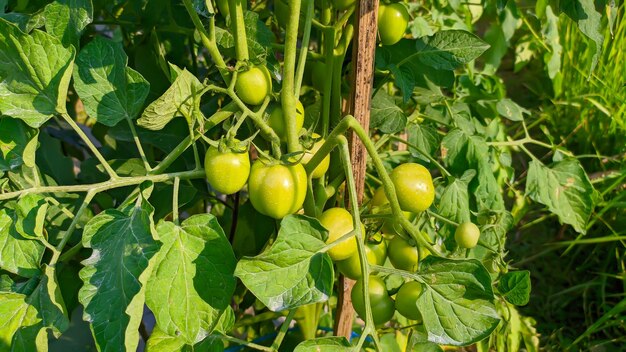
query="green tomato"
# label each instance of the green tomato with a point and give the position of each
(253, 85)
(406, 300)
(380, 204)
(376, 254)
(339, 222)
(226, 172)
(393, 20)
(414, 187)
(382, 305)
(466, 235)
(402, 254)
(277, 190)
(343, 4)
(322, 167)
(277, 120)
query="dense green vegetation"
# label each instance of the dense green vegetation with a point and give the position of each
(177, 176)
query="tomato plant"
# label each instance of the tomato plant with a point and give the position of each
(213, 175)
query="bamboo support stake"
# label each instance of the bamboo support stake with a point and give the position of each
(363, 50)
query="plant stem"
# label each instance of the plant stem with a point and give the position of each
(91, 146)
(304, 46)
(284, 327)
(146, 165)
(175, 200)
(68, 233)
(238, 28)
(246, 343)
(288, 98)
(443, 170)
(208, 40)
(105, 185)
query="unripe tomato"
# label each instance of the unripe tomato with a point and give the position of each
(466, 235)
(226, 172)
(382, 305)
(376, 254)
(277, 190)
(406, 300)
(380, 204)
(253, 85)
(392, 22)
(343, 4)
(322, 167)
(277, 120)
(402, 254)
(339, 222)
(414, 187)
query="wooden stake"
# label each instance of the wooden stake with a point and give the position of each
(363, 50)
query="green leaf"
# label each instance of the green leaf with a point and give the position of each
(115, 275)
(565, 189)
(509, 109)
(326, 344)
(259, 38)
(386, 115)
(454, 202)
(423, 136)
(194, 268)
(20, 250)
(53, 162)
(35, 72)
(292, 272)
(457, 301)
(109, 90)
(29, 333)
(18, 144)
(66, 19)
(15, 312)
(514, 286)
(589, 22)
(449, 49)
(159, 341)
(30, 216)
(26, 22)
(181, 99)
(404, 79)
(461, 151)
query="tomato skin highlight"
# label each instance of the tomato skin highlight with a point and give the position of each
(253, 85)
(322, 167)
(406, 299)
(382, 305)
(277, 190)
(402, 255)
(376, 255)
(339, 222)
(226, 172)
(277, 120)
(414, 187)
(467, 235)
(393, 20)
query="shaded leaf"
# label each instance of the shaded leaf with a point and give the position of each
(66, 19)
(329, 344)
(18, 144)
(109, 90)
(386, 115)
